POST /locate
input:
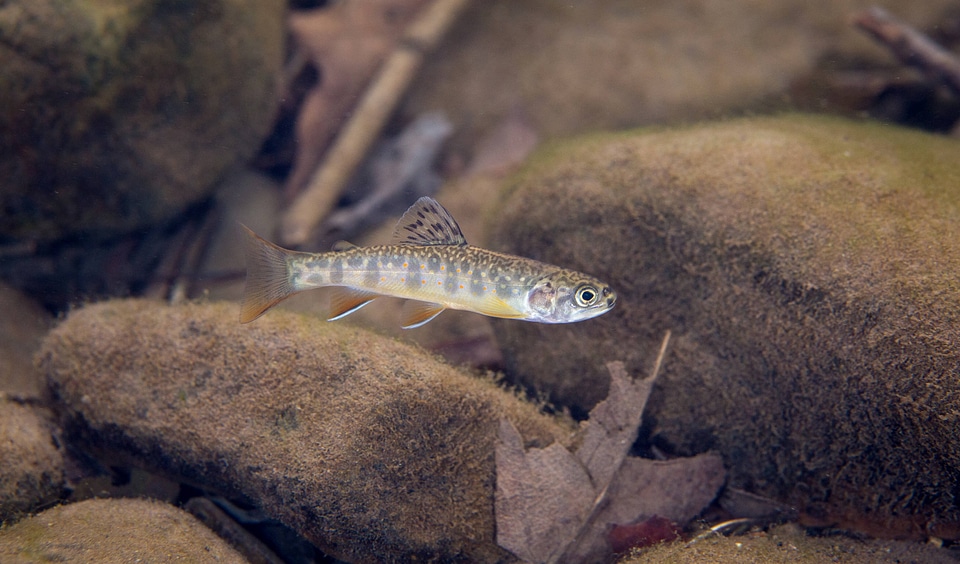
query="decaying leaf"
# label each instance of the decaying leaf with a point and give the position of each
(556, 506)
(542, 495)
(648, 532)
(505, 148)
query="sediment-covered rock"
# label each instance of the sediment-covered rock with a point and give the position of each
(32, 467)
(118, 114)
(809, 270)
(370, 448)
(790, 543)
(114, 530)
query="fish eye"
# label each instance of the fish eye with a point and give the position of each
(586, 296)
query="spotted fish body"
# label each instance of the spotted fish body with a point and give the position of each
(431, 265)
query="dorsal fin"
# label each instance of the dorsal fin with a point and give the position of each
(428, 223)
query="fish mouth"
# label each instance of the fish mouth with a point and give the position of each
(611, 297)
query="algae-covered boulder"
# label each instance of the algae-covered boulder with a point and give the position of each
(370, 448)
(114, 530)
(789, 544)
(809, 268)
(119, 113)
(32, 467)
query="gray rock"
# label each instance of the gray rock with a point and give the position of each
(118, 114)
(371, 449)
(808, 268)
(113, 530)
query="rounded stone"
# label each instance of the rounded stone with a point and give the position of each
(114, 530)
(32, 472)
(371, 449)
(117, 114)
(808, 269)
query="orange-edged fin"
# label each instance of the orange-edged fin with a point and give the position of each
(268, 279)
(415, 313)
(495, 307)
(344, 301)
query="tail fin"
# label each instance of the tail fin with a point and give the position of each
(268, 280)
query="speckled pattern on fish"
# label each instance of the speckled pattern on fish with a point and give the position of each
(430, 264)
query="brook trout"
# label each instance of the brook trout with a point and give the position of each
(430, 264)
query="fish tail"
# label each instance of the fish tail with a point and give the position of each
(268, 277)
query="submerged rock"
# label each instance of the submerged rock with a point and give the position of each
(370, 448)
(115, 114)
(789, 543)
(114, 530)
(32, 468)
(808, 268)
(609, 64)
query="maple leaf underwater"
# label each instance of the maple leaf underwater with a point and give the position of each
(431, 265)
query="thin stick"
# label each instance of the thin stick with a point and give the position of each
(356, 137)
(911, 46)
(718, 529)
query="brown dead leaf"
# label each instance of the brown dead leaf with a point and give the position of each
(556, 506)
(543, 496)
(504, 148)
(346, 42)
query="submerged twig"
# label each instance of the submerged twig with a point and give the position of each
(719, 528)
(183, 287)
(911, 47)
(406, 157)
(378, 102)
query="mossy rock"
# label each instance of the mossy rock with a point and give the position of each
(114, 530)
(788, 544)
(808, 267)
(372, 449)
(32, 471)
(117, 113)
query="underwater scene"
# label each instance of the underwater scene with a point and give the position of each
(322, 281)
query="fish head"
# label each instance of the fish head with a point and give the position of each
(566, 296)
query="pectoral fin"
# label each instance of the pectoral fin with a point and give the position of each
(415, 313)
(344, 301)
(495, 307)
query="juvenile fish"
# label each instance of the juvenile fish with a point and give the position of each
(430, 264)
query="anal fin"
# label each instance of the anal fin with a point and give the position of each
(344, 301)
(415, 313)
